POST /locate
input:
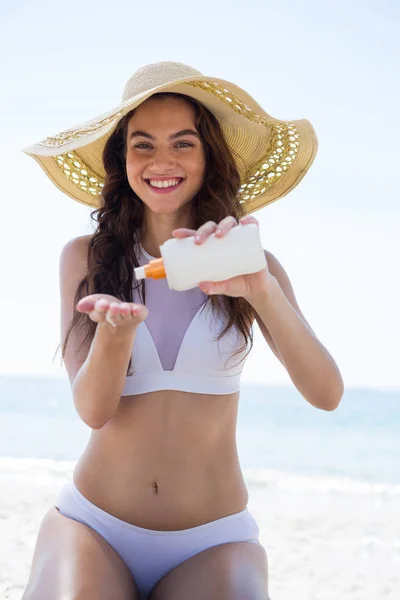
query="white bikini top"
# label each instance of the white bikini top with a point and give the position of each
(176, 347)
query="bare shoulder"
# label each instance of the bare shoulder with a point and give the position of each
(277, 270)
(73, 270)
(74, 260)
(75, 251)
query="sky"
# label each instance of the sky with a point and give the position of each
(336, 234)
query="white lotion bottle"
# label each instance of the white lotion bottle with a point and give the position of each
(186, 264)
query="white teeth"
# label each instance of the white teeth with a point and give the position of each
(164, 184)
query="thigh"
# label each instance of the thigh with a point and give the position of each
(71, 562)
(233, 571)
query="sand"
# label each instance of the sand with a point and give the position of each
(327, 538)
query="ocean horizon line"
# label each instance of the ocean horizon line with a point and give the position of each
(254, 383)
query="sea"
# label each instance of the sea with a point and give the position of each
(278, 431)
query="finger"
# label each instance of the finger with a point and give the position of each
(212, 287)
(225, 225)
(86, 305)
(139, 311)
(125, 310)
(99, 311)
(204, 231)
(183, 232)
(101, 305)
(249, 219)
(115, 310)
(100, 308)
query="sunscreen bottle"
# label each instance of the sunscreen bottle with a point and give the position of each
(186, 264)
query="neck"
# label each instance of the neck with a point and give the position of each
(158, 229)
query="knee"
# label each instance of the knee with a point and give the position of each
(247, 572)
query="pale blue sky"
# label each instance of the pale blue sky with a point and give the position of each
(337, 234)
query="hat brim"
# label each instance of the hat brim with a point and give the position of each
(272, 155)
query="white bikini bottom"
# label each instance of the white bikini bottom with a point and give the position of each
(150, 554)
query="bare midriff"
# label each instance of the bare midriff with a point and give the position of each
(166, 461)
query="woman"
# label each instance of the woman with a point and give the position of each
(158, 505)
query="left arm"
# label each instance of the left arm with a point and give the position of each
(309, 365)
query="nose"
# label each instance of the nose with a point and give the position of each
(162, 162)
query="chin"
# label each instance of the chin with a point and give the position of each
(166, 207)
(163, 210)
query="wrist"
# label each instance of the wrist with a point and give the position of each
(265, 295)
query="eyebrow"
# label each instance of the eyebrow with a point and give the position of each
(139, 133)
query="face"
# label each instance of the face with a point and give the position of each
(165, 160)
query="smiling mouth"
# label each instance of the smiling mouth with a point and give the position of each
(166, 185)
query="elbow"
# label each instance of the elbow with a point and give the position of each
(90, 407)
(331, 405)
(91, 418)
(89, 413)
(333, 389)
(331, 399)
(94, 423)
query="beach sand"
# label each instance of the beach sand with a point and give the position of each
(327, 538)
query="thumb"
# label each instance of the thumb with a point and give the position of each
(87, 303)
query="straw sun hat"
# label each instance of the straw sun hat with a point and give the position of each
(272, 155)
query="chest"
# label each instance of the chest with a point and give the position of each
(172, 317)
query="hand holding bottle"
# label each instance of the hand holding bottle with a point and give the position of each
(212, 256)
(247, 286)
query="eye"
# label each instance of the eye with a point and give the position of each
(143, 145)
(184, 144)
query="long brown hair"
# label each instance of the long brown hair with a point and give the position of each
(111, 254)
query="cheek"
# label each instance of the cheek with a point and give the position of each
(197, 167)
(133, 169)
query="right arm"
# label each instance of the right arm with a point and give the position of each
(96, 372)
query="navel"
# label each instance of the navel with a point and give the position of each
(155, 487)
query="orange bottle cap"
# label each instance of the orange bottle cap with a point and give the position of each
(155, 269)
